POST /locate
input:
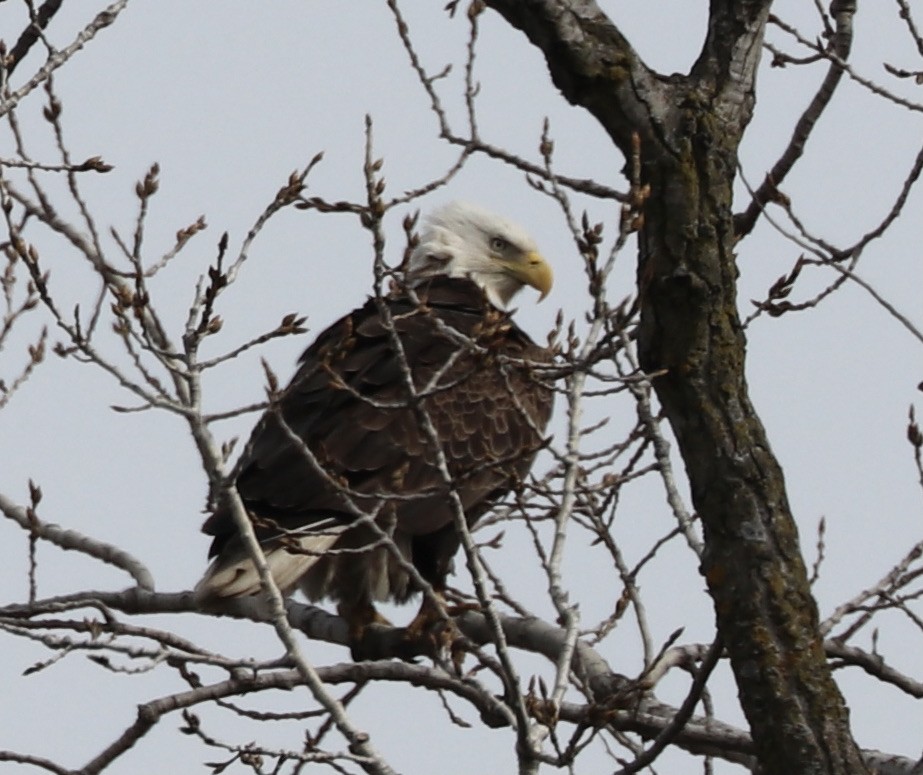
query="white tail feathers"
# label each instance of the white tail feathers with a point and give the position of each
(240, 578)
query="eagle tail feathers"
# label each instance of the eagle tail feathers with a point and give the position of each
(238, 577)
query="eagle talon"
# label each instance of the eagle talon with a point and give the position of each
(433, 632)
(433, 612)
(457, 609)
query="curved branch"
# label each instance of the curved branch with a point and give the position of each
(151, 712)
(874, 665)
(72, 540)
(614, 700)
(35, 761)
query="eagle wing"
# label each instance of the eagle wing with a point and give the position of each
(350, 437)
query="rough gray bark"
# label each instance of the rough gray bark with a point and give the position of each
(690, 128)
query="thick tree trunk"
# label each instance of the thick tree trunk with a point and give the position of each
(690, 129)
(752, 562)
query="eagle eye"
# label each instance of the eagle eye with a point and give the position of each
(499, 244)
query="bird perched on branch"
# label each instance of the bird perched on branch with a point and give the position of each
(417, 409)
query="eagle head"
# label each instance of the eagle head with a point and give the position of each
(463, 240)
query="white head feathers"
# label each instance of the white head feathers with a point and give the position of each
(463, 240)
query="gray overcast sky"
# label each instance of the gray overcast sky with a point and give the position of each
(229, 97)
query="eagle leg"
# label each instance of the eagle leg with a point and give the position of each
(360, 616)
(432, 632)
(430, 614)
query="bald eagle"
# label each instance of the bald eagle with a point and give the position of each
(345, 438)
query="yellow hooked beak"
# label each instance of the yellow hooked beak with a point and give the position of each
(533, 270)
